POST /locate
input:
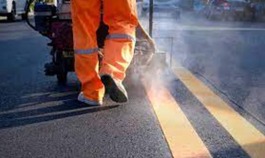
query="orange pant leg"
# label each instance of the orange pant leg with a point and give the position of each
(86, 18)
(121, 17)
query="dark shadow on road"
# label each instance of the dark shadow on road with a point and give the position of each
(68, 108)
(8, 21)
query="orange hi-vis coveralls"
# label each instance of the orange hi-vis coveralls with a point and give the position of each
(121, 18)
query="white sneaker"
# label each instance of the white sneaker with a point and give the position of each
(82, 99)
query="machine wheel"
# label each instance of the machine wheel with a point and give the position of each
(62, 69)
(62, 78)
(13, 14)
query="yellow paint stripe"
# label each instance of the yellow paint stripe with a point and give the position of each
(182, 139)
(247, 136)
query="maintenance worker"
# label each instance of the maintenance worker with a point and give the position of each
(121, 18)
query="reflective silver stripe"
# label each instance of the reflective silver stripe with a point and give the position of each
(42, 13)
(86, 51)
(120, 36)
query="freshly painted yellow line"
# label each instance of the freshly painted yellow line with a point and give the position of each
(247, 136)
(182, 139)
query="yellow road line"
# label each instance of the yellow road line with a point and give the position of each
(182, 139)
(247, 136)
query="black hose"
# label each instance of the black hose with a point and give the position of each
(27, 12)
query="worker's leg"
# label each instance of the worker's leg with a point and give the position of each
(86, 18)
(121, 17)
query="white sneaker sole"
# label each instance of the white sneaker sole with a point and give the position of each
(82, 99)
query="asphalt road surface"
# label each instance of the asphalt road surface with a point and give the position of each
(167, 115)
(227, 55)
